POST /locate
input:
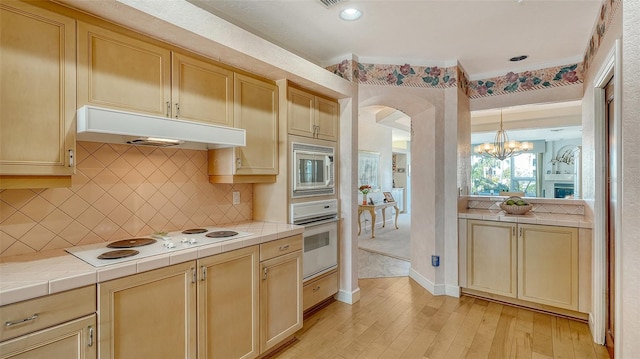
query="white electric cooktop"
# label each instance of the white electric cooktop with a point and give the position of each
(102, 254)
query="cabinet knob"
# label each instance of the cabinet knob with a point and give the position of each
(177, 110)
(168, 109)
(316, 289)
(283, 248)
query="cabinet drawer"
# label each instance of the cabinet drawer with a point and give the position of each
(317, 290)
(46, 311)
(279, 247)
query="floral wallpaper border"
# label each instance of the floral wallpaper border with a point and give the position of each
(396, 75)
(607, 11)
(527, 80)
(436, 77)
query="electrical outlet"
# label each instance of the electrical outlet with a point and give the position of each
(435, 261)
(236, 197)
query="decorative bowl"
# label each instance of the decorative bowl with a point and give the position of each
(514, 209)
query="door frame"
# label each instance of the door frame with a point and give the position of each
(611, 68)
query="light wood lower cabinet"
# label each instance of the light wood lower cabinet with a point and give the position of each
(71, 340)
(548, 265)
(228, 305)
(534, 263)
(61, 325)
(492, 257)
(280, 294)
(319, 289)
(38, 101)
(149, 315)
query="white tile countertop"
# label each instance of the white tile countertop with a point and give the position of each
(550, 219)
(30, 276)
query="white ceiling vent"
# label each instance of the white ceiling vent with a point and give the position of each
(330, 3)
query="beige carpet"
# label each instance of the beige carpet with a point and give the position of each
(388, 241)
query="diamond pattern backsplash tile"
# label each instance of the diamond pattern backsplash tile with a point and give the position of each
(119, 191)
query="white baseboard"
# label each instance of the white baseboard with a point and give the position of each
(348, 297)
(434, 289)
(452, 290)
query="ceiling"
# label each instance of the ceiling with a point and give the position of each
(482, 35)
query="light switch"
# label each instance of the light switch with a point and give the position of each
(236, 197)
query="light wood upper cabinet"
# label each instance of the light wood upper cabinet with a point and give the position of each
(142, 83)
(201, 91)
(152, 80)
(312, 116)
(492, 257)
(280, 297)
(548, 265)
(228, 303)
(38, 101)
(255, 111)
(149, 315)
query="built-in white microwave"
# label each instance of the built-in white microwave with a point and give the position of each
(313, 171)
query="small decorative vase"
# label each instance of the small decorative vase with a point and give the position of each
(364, 199)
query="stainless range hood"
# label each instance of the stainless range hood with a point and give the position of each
(97, 124)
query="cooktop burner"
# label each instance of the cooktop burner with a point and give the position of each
(221, 234)
(120, 253)
(131, 243)
(194, 231)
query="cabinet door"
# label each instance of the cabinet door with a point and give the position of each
(256, 111)
(37, 83)
(280, 299)
(301, 113)
(326, 119)
(149, 315)
(228, 302)
(548, 265)
(121, 72)
(492, 257)
(72, 340)
(201, 91)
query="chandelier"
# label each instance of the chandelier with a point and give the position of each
(502, 148)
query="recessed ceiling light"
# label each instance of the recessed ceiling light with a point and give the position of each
(350, 14)
(518, 58)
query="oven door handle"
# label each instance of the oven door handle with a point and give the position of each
(313, 224)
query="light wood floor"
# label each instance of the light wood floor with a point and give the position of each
(396, 318)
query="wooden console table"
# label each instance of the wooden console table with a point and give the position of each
(372, 210)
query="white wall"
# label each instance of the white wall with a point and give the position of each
(373, 137)
(628, 328)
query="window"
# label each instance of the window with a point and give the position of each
(490, 176)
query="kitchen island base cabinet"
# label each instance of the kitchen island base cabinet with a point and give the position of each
(280, 292)
(228, 304)
(149, 315)
(71, 340)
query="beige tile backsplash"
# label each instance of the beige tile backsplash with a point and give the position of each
(119, 191)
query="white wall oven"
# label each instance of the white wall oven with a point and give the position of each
(313, 170)
(320, 245)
